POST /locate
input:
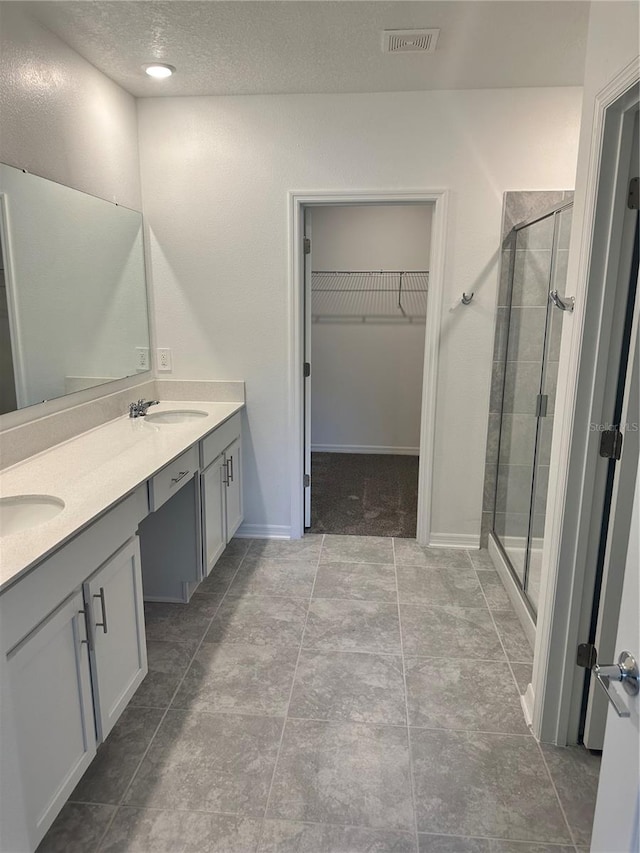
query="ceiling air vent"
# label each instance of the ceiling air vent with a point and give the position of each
(409, 41)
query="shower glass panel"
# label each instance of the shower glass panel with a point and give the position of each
(562, 229)
(537, 265)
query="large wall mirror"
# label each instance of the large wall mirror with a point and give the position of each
(73, 299)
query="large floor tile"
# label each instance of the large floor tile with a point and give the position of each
(357, 549)
(282, 836)
(108, 775)
(523, 673)
(441, 587)
(575, 773)
(409, 553)
(262, 620)
(237, 547)
(219, 579)
(438, 695)
(444, 631)
(209, 763)
(345, 773)
(180, 622)
(307, 548)
(168, 662)
(242, 678)
(272, 576)
(458, 844)
(77, 829)
(481, 559)
(513, 637)
(452, 844)
(484, 785)
(493, 588)
(334, 625)
(349, 686)
(143, 831)
(497, 846)
(372, 581)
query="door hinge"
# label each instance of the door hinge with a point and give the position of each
(587, 655)
(542, 401)
(306, 370)
(306, 245)
(633, 202)
(306, 480)
(611, 443)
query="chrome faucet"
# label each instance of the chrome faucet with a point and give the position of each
(139, 409)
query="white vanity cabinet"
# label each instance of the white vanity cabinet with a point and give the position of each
(220, 489)
(66, 675)
(115, 626)
(53, 728)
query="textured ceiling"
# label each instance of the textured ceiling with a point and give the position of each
(231, 48)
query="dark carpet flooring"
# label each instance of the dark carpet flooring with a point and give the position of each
(364, 494)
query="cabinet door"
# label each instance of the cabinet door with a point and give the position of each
(212, 484)
(234, 488)
(54, 726)
(113, 596)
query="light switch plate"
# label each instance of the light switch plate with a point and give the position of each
(164, 360)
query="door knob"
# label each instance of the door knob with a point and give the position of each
(626, 672)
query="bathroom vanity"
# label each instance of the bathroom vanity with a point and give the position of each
(143, 507)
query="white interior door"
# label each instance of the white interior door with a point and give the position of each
(623, 408)
(617, 813)
(307, 359)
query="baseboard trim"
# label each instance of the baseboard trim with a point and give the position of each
(263, 531)
(513, 591)
(455, 540)
(527, 701)
(365, 448)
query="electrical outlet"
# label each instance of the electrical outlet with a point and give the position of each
(164, 359)
(142, 358)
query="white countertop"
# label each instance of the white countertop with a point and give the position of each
(92, 472)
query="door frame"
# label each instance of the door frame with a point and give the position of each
(585, 349)
(298, 201)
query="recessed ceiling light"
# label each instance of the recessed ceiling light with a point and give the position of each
(159, 70)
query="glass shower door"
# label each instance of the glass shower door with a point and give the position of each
(562, 229)
(532, 251)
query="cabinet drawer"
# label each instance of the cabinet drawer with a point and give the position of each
(172, 478)
(217, 441)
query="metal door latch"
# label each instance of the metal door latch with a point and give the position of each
(626, 672)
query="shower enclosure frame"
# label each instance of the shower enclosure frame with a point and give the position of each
(522, 583)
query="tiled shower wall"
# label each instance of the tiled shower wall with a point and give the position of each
(528, 294)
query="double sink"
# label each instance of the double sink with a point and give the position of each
(24, 512)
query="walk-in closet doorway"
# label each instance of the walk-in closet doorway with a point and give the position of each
(365, 271)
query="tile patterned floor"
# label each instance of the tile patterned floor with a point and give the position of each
(305, 701)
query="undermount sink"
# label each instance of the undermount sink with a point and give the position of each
(22, 512)
(174, 416)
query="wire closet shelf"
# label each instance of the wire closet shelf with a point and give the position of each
(369, 296)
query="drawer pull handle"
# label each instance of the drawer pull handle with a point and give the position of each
(103, 605)
(181, 476)
(230, 464)
(87, 631)
(225, 474)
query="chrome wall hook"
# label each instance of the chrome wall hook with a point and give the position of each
(466, 299)
(566, 303)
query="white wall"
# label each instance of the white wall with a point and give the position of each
(216, 172)
(64, 120)
(367, 377)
